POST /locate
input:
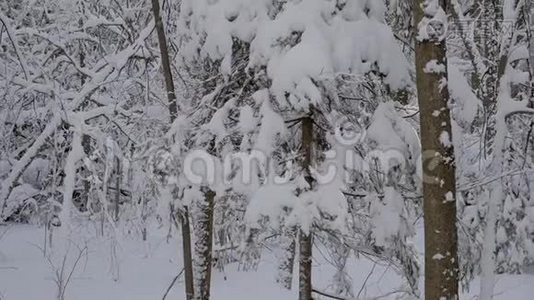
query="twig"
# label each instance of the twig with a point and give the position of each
(405, 42)
(80, 255)
(366, 279)
(11, 36)
(172, 284)
(465, 187)
(411, 115)
(328, 295)
(61, 271)
(357, 195)
(4, 233)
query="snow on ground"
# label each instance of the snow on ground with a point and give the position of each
(144, 274)
(145, 271)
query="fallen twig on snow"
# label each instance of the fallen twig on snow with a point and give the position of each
(172, 284)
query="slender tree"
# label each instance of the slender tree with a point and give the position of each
(439, 186)
(305, 238)
(529, 11)
(287, 258)
(203, 227)
(183, 216)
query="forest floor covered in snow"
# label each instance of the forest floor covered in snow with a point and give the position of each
(123, 268)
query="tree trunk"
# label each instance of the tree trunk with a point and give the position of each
(287, 258)
(530, 30)
(305, 265)
(305, 238)
(117, 189)
(173, 112)
(203, 226)
(439, 186)
(186, 245)
(86, 139)
(529, 8)
(487, 259)
(165, 61)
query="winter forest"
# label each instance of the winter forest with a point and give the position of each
(266, 149)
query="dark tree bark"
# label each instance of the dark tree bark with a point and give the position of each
(305, 238)
(165, 61)
(529, 8)
(86, 139)
(203, 226)
(186, 245)
(117, 189)
(173, 112)
(439, 186)
(305, 266)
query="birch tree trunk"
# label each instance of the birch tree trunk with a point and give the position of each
(487, 260)
(173, 112)
(287, 258)
(439, 187)
(503, 92)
